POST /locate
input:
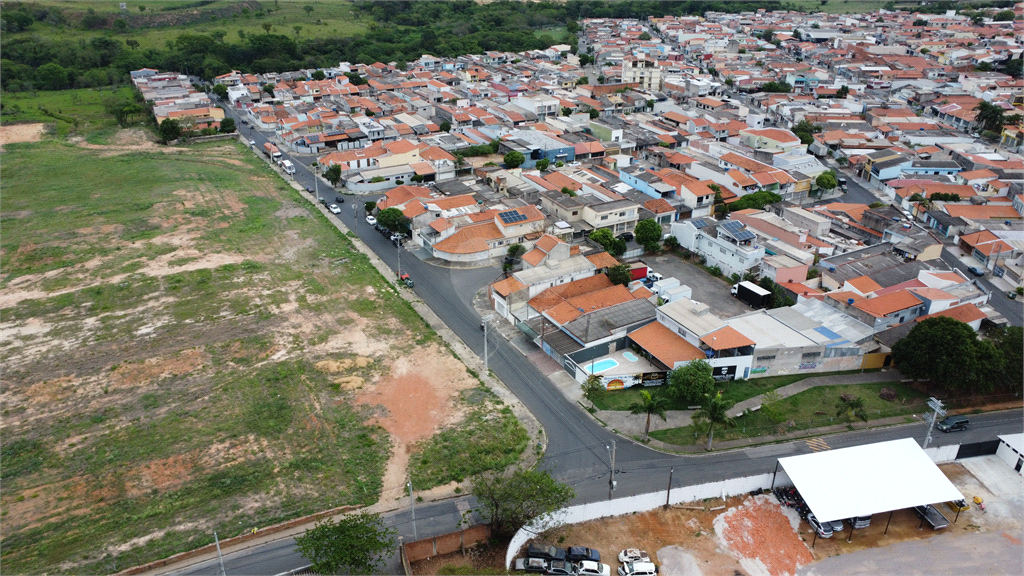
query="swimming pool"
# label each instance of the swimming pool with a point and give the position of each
(606, 364)
(629, 356)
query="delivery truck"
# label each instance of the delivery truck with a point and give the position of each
(272, 152)
(638, 271)
(752, 294)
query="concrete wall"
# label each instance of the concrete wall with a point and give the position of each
(447, 543)
(1009, 455)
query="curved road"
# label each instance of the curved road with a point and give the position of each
(576, 452)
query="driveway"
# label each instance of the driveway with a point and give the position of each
(706, 288)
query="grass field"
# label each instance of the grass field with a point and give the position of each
(734, 391)
(838, 6)
(328, 19)
(809, 409)
(65, 111)
(190, 346)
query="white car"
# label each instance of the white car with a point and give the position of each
(633, 555)
(334, 209)
(588, 568)
(371, 220)
(638, 569)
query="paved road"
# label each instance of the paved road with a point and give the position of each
(1012, 310)
(576, 452)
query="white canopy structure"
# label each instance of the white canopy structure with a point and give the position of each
(869, 479)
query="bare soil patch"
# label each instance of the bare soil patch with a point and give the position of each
(11, 133)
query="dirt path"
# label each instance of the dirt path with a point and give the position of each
(12, 133)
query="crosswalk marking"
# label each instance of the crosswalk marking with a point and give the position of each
(817, 444)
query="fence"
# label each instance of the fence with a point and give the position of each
(446, 543)
(638, 503)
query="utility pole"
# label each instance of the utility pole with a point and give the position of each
(412, 506)
(939, 410)
(316, 181)
(611, 476)
(668, 497)
(219, 556)
(486, 324)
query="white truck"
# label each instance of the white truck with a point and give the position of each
(289, 168)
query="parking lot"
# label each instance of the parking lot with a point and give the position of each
(706, 288)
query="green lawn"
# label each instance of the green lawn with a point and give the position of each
(839, 6)
(67, 111)
(335, 19)
(809, 409)
(734, 391)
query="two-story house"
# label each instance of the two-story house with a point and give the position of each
(726, 244)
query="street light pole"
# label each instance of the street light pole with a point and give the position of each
(412, 506)
(938, 408)
(316, 181)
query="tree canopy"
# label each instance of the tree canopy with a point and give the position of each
(620, 274)
(949, 353)
(393, 219)
(647, 231)
(509, 501)
(514, 159)
(826, 180)
(691, 382)
(353, 545)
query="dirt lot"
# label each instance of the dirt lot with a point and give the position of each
(199, 350)
(21, 133)
(758, 537)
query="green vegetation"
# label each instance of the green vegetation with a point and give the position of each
(732, 391)
(509, 501)
(65, 111)
(949, 353)
(487, 439)
(811, 408)
(355, 544)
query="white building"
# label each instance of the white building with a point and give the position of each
(643, 70)
(726, 244)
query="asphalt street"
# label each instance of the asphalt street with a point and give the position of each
(1012, 310)
(577, 452)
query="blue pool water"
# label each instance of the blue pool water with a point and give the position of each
(606, 364)
(629, 356)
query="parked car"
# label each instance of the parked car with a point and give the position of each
(252, 142)
(534, 565)
(334, 209)
(626, 236)
(310, 190)
(561, 568)
(245, 122)
(976, 271)
(633, 555)
(339, 199)
(324, 201)
(545, 552)
(932, 516)
(837, 525)
(860, 522)
(371, 220)
(581, 553)
(638, 569)
(953, 424)
(588, 568)
(823, 530)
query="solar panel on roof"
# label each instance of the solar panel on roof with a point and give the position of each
(732, 225)
(511, 217)
(699, 223)
(743, 235)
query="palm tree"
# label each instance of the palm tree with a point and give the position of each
(650, 405)
(989, 115)
(714, 411)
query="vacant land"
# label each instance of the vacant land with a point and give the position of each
(165, 21)
(811, 408)
(189, 347)
(65, 112)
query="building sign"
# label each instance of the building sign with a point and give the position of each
(630, 380)
(724, 372)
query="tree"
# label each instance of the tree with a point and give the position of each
(647, 231)
(133, 44)
(768, 35)
(120, 25)
(353, 545)
(142, 8)
(266, 27)
(714, 411)
(604, 237)
(393, 219)
(805, 131)
(227, 125)
(600, 79)
(729, 82)
(1003, 16)
(445, 126)
(309, 9)
(692, 381)
(851, 408)
(948, 352)
(826, 181)
(515, 251)
(566, 111)
(989, 116)
(774, 86)
(593, 388)
(1009, 341)
(843, 91)
(1014, 67)
(645, 36)
(509, 501)
(333, 174)
(672, 243)
(594, 113)
(514, 159)
(369, 206)
(919, 22)
(318, 75)
(220, 90)
(649, 404)
(169, 130)
(584, 80)
(984, 67)
(620, 274)
(52, 76)
(543, 164)
(269, 89)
